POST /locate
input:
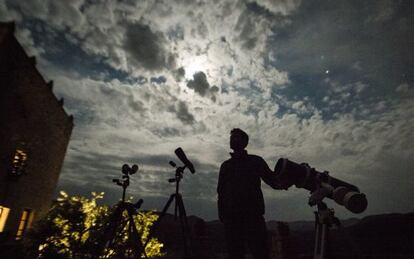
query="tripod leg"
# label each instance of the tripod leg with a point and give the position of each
(134, 236)
(324, 238)
(115, 220)
(184, 227)
(163, 212)
(175, 210)
(165, 209)
(316, 246)
(318, 241)
(114, 237)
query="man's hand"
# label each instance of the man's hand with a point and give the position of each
(280, 184)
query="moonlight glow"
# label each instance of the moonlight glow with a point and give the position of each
(195, 64)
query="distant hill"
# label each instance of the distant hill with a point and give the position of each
(378, 236)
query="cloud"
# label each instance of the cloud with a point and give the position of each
(201, 86)
(182, 113)
(8, 15)
(283, 7)
(61, 14)
(179, 74)
(158, 80)
(24, 36)
(142, 41)
(146, 48)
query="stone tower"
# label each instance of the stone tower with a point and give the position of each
(34, 134)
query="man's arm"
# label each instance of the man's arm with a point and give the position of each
(270, 177)
(219, 193)
(220, 179)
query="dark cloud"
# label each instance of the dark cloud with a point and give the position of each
(179, 74)
(183, 114)
(158, 80)
(166, 132)
(146, 48)
(136, 105)
(201, 86)
(181, 111)
(199, 83)
(247, 30)
(202, 30)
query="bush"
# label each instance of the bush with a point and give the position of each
(75, 227)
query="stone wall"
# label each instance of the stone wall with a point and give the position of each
(32, 119)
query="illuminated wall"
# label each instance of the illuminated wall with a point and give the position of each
(34, 134)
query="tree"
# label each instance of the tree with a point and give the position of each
(75, 225)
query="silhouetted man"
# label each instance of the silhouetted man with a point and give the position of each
(240, 199)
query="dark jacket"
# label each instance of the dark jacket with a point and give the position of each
(239, 191)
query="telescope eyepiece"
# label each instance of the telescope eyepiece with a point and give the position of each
(172, 164)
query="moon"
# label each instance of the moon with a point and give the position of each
(195, 64)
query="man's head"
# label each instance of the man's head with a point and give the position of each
(238, 139)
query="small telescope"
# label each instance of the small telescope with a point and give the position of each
(320, 184)
(179, 170)
(179, 152)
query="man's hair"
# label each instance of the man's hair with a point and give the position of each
(242, 134)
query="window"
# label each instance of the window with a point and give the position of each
(4, 213)
(25, 222)
(18, 162)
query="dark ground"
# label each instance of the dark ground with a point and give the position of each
(377, 236)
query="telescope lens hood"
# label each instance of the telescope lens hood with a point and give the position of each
(355, 202)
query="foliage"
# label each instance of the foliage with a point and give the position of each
(75, 226)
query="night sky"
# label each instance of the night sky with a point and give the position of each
(329, 83)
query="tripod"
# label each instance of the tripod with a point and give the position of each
(114, 230)
(324, 219)
(113, 233)
(179, 211)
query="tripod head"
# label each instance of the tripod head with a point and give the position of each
(179, 171)
(124, 182)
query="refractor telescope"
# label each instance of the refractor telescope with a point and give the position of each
(320, 184)
(179, 152)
